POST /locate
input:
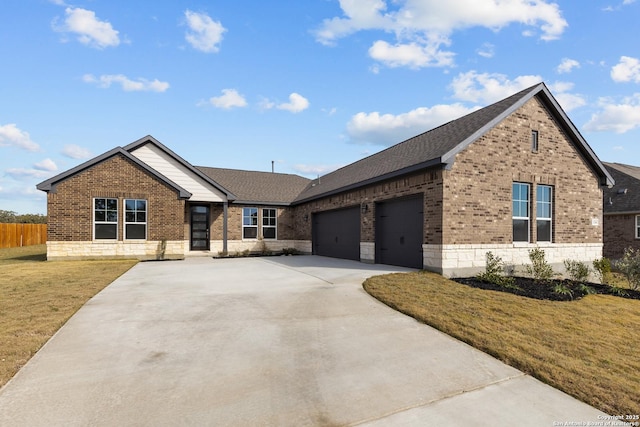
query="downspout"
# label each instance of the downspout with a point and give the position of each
(225, 206)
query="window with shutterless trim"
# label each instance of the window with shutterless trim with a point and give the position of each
(269, 223)
(534, 141)
(544, 213)
(105, 218)
(135, 219)
(249, 223)
(521, 212)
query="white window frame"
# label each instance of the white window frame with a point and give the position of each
(93, 211)
(535, 141)
(527, 218)
(542, 218)
(125, 222)
(275, 223)
(637, 226)
(250, 216)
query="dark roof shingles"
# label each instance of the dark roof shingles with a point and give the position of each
(627, 178)
(258, 187)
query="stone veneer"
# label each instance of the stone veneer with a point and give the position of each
(142, 250)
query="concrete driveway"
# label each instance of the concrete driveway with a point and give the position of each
(281, 341)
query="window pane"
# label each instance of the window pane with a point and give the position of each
(544, 231)
(106, 231)
(269, 233)
(141, 217)
(100, 204)
(250, 232)
(112, 204)
(129, 204)
(141, 205)
(135, 231)
(100, 216)
(520, 230)
(112, 216)
(130, 217)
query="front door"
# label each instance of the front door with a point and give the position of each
(199, 228)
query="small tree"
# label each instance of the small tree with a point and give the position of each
(494, 272)
(577, 271)
(602, 268)
(629, 265)
(540, 269)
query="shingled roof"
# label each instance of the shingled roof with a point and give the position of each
(624, 196)
(439, 146)
(258, 187)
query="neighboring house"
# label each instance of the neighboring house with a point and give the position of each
(506, 178)
(621, 222)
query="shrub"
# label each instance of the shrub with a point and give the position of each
(577, 271)
(289, 251)
(493, 272)
(629, 265)
(540, 269)
(602, 269)
(561, 288)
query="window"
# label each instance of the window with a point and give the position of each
(637, 226)
(520, 212)
(105, 218)
(135, 219)
(249, 223)
(534, 141)
(269, 223)
(544, 209)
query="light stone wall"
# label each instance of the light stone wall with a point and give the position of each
(255, 246)
(368, 252)
(470, 259)
(142, 250)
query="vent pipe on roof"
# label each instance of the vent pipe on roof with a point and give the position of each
(272, 166)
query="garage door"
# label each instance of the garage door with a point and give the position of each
(337, 233)
(399, 232)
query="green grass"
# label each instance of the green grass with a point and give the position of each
(37, 297)
(586, 348)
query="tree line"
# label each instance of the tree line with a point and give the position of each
(11, 217)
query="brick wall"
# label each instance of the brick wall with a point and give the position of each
(619, 234)
(477, 189)
(285, 230)
(70, 204)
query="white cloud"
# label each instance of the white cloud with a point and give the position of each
(618, 117)
(628, 69)
(567, 65)
(204, 33)
(230, 98)
(22, 173)
(46, 165)
(75, 152)
(568, 101)
(127, 84)
(487, 88)
(12, 136)
(412, 55)
(315, 170)
(487, 50)
(90, 30)
(422, 27)
(296, 104)
(389, 129)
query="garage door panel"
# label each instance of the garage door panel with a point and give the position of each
(337, 233)
(399, 232)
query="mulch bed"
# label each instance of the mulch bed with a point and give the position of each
(527, 287)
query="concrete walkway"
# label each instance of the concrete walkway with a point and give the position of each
(279, 341)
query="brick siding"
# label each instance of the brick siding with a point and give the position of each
(619, 234)
(70, 204)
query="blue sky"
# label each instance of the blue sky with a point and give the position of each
(312, 85)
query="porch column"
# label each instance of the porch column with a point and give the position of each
(225, 206)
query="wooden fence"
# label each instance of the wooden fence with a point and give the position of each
(15, 235)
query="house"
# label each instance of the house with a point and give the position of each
(621, 222)
(506, 178)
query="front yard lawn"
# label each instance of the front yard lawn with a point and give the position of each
(588, 348)
(38, 297)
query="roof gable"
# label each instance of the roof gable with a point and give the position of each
(50, 184)
(439, 146)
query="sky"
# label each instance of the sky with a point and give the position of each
(311, 85)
